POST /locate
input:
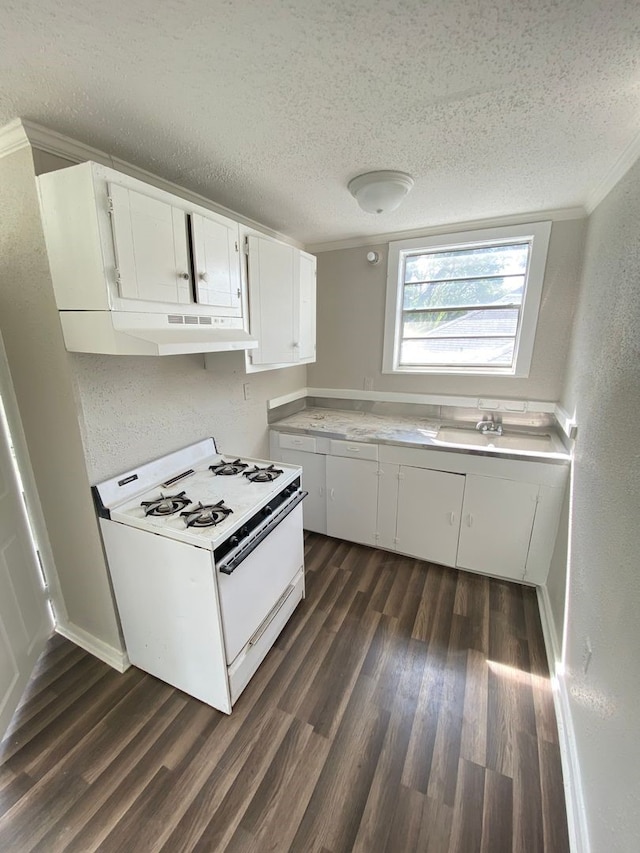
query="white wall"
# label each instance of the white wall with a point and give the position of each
(138, 408)
(603, 595)
(351, 301)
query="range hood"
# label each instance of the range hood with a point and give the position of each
(140, 333)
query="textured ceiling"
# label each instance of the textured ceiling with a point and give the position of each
(270, 106)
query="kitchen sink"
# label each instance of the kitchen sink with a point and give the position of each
(524, 442)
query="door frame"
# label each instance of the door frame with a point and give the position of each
(34, 512)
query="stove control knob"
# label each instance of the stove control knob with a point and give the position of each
(244, 531)
(268, 510)
(233, 540)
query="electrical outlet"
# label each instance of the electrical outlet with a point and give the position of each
(587, 653)
(246, 390)
(368, 383)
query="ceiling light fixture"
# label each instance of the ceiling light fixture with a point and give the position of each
(380, 192)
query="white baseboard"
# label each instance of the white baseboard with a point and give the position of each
(576, 814)
(98, 648)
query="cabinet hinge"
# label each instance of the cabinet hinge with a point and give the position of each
(109, 204)
(236, 245)
(246, 247)
(376, 536)
(118, 278)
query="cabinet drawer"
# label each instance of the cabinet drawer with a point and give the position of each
(353, 449)
(297, 442)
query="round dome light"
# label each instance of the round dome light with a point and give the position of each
(380, 192)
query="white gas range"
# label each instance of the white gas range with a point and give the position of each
(207, 562)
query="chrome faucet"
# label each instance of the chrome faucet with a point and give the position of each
(489, 425)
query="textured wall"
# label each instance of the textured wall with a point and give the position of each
(603, 385)
(557, 579)
(351, 301)
(137, 408)
(42, 377)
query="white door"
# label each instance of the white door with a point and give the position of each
(429, 507)
(216, 264)
(352, 499)
(272, 275)
(388, 478)
(25, 621)
(497, 520)
(314, 506)
(150, 239)
(306, 295)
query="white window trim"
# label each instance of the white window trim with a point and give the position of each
(537, 232)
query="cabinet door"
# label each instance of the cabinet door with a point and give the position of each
(150, 241)
(306, 308)
(271, 272)
(352, 492)
(429, 508)
(216, 264)
(388, 477)
(314, 506)
(497, 520)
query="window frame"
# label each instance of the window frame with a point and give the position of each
(536, 233)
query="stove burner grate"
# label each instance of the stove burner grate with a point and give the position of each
(166, 504)
(206, 515)
(262, 475)
(227, 469)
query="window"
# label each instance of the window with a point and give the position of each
(465, 303)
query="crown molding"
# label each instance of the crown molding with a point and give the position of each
(13, 137)
(22, 133)
(470, 225)
(619, 169)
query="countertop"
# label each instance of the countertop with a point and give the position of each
(417, 432)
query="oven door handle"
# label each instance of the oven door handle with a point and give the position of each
(227, 567)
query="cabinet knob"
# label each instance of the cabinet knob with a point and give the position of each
(204, 276)
(184, 275)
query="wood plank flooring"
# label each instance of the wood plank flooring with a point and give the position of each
(405, 707)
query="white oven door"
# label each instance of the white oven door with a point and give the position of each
(249, 593)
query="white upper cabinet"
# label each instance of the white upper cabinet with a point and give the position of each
(215, 262)
(306, 309)
(150, 243)
(282, 302)
(271, 272)
(137, 270)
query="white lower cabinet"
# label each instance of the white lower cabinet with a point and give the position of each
(428, 518)
(352, 499)
(314, 506)
(497, 522)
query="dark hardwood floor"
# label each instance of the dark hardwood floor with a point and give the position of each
(405, 707)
